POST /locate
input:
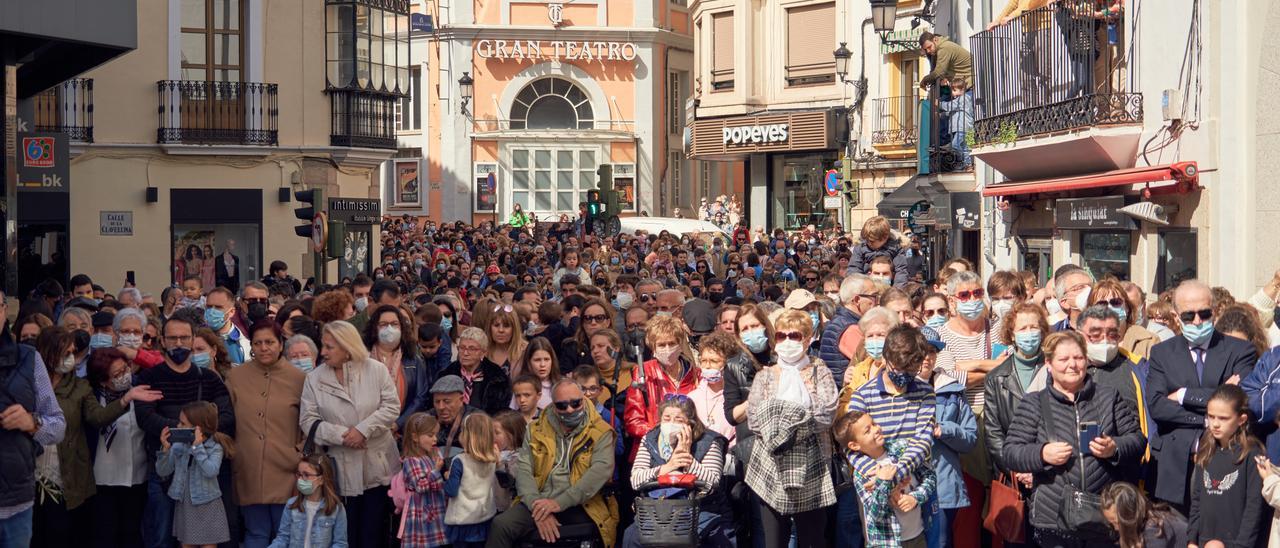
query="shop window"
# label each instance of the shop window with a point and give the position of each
(811, 37)
(355, 254)
(552, 103)
(1178, 258)
(552, 181)
(1107, 253)
(797, 197)
(722, 51)
(196, 247)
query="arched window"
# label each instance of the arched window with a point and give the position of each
(552, 103)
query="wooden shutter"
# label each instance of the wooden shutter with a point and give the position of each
(722, 48)
(811, 39)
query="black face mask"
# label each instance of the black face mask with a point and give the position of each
(695, 291)
(256, 312)
(716, 297)
(81, 341)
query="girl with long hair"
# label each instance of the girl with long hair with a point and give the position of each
(199, 518)
(314, 517)
(469, 486)
(423, 520)
(1140, 522)
(1226, 488)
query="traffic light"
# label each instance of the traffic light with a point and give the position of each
(337, 236)
(849, 188)
(595, 207)
(605, 185)
(314, 201)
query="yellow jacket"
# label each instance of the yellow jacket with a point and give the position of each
(594, 436)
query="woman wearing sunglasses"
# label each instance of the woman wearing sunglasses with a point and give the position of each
(1134, 339)
(670, 372)
(596, 315)
(790, 411)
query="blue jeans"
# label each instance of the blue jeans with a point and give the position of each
(157, 519)
(15, 531)
(261, 523)
(937, 529)
(959, 145)
(848, 520)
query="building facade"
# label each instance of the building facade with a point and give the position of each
(552, 91)
(184, 154)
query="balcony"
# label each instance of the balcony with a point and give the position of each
(66, 108)
(1060, 80)
(362, 119)
(894, 131)
(217, 113)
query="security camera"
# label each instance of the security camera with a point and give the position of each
(1150, 212)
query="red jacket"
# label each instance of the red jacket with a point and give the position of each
(146, 359)
(643, 399)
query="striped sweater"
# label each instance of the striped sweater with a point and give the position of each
(906, 418)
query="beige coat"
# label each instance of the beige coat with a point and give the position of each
(266, 400)
(1138, 341)
(367, 400)
(1271, 493)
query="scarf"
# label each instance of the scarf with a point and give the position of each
(392, 361)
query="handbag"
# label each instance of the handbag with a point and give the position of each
(841, 474)
(1006, 515)
(1080, 514)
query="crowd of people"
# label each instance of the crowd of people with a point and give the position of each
(511, 386)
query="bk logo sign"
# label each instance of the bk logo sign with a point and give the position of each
(37, 152)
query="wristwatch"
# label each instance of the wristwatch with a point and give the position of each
(35, 419)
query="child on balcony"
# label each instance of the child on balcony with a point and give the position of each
(959, 113)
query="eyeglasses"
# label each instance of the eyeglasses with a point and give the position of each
(969, 294)
(874, 298)
(1115, 302)
(567, 405)
(255, 301)
(148, 338)
(470, 349)
(592, 389)
(810, 278)
(935, 312)
(595, 318)
(1190, 315)
(784, 335)
(646, 297)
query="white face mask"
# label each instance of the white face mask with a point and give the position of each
(667, 356)
(625, 300)
(68, 364)
(1001, 307)
(1102, 353)
(131, 341)
(1082, 299)
(790, 351)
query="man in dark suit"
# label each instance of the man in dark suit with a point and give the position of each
(227, 268)
(1184, 373)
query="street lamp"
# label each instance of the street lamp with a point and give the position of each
(842, 55)
(466, 89)
(884, 15)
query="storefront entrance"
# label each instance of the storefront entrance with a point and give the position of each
(797, 192)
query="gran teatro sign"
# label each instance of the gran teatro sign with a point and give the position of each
(534, 50)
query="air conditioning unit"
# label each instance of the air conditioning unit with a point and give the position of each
(1150, 212)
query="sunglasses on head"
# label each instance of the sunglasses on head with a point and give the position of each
(1190, 315)
(970, 293)
(567, 405)
(784, 335)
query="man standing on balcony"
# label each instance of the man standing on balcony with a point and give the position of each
(950, 60)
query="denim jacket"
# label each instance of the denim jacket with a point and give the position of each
(197, 469)
(327, 531)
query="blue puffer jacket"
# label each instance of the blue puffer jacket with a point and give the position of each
(201, 479)
(1263, 388)
(959, 435)
(327, 531)
(829, 344)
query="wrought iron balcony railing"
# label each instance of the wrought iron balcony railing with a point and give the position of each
(1059, 68)
(945, 125)
(217, 113)
(896, 121)
(362, 119)
(67, 108)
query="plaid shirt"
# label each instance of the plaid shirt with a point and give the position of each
(906, 418)
(424, 511)
(881, 525)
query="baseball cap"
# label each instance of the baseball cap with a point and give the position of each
(799, 298)
(493, 269)
(931, 335)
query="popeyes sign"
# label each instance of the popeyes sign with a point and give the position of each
(532, 50)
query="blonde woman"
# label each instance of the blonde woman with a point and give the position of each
(671, 371)
(506, 337)
(790, 411)
(352, 405)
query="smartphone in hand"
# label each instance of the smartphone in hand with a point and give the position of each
(182, 435)
(1088, 432)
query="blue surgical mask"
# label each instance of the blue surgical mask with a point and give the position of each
(971, 310)
(813, 315)
(201, 360)
(613, 260)
(755, 340)
(100, 340)
(446, 324)
(936, 321)
(1120, 311)
(1198, 334)
(874, 348)
(1028, 342)
(215, 318)
(303, 364)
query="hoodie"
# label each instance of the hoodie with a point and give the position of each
(860, 263)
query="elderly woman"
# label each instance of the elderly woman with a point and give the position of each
(350, 405)
(1045, 440)
(486, 386)
(671, 371)
(301, 352)
(130, 329)
(119, 457)
(875, 326)
(392, 340)
(64, 473)
(266, 392)
(682, 444)
(790, 412)
(1134, 339)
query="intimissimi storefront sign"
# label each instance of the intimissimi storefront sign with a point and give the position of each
(533, 50)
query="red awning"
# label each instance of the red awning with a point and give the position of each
(1185, 174)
